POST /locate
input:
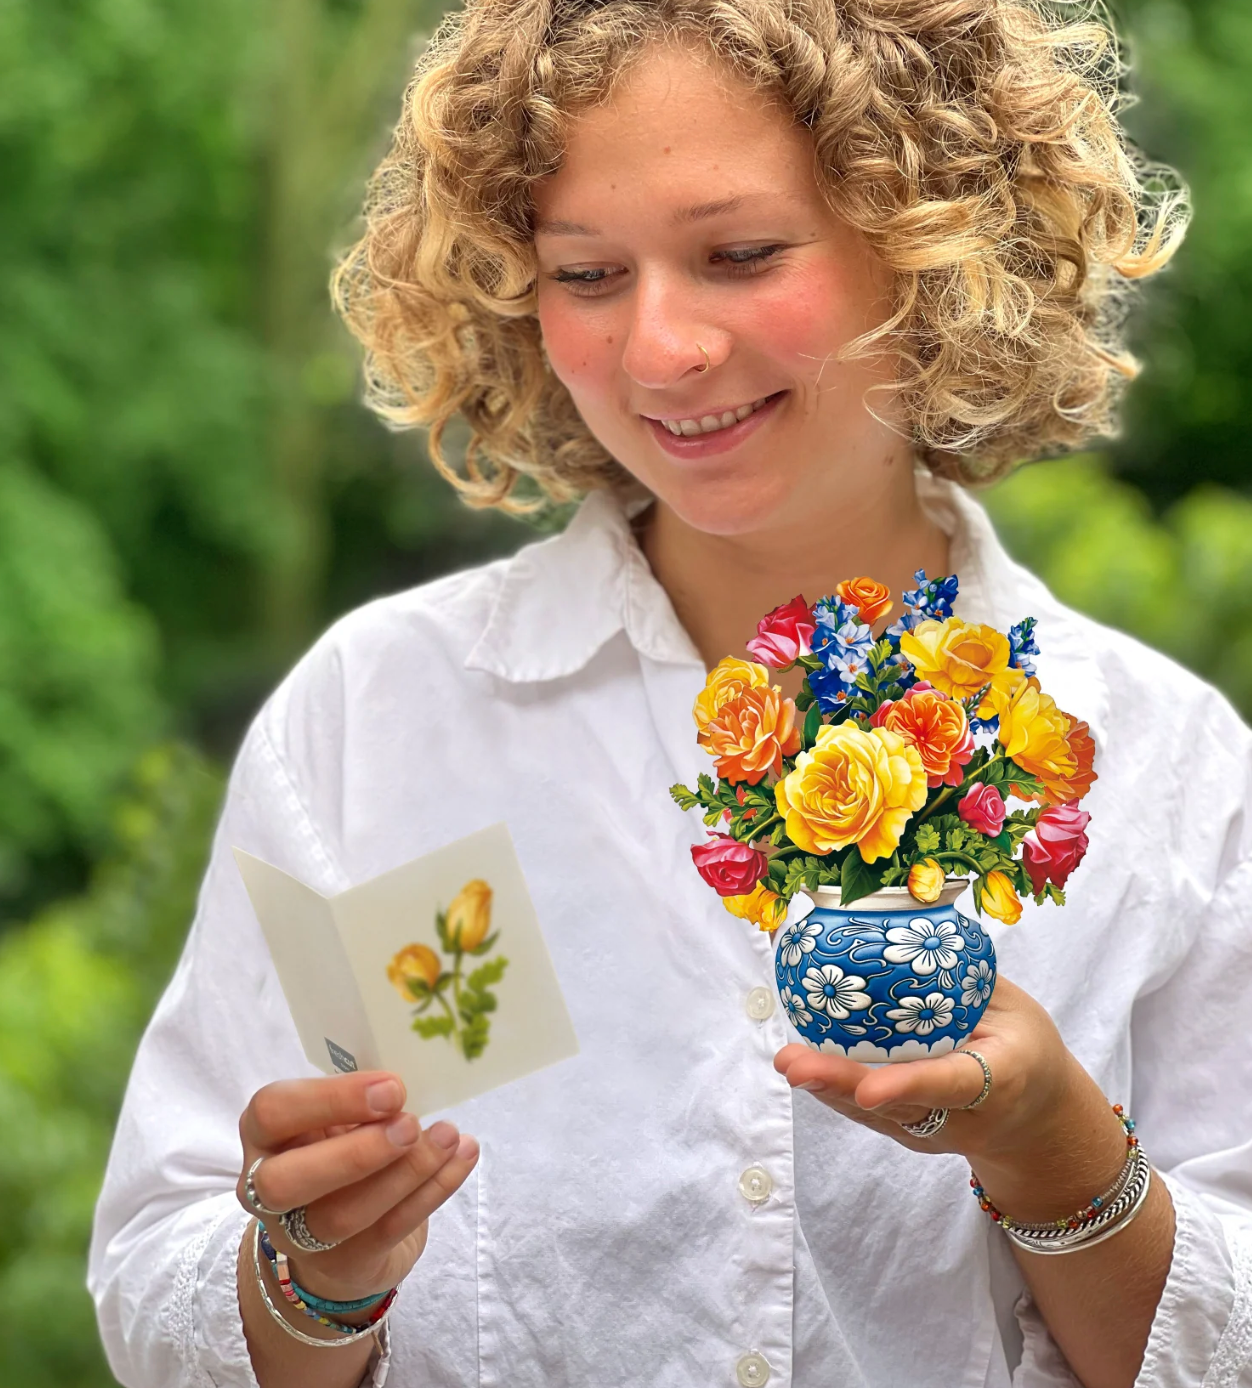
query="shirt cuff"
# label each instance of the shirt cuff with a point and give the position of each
(1202, 1331)
(220, 1349)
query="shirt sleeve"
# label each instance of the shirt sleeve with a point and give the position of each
(162, 1267)
(1192, 1095)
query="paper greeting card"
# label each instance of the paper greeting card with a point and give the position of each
(436, 970)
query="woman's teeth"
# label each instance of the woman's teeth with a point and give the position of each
(711, 423)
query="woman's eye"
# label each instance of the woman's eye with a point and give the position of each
(586, 282)
(746, 260)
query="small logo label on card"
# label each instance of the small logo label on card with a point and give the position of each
(343, 1061)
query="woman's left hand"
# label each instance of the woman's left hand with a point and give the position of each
(1044, 1130)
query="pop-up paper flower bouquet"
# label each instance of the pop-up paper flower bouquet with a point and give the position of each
(886, 783)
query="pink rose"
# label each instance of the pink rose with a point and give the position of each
(1056, 845)
(982, 808)
(731, 868)
(783, 635)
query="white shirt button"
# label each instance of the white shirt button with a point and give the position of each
(755, 1185)
(752, 1370)
(759, 1004)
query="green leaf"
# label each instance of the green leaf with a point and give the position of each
(927, 838)
(426, 1027)
(714, 816)
(487, 974)
(857, 878)
(804, 699)
(812, 725)
(486, 944)
(684, 798)
(441, 929)
(705, 782)
(418, 988)
(474, 1036)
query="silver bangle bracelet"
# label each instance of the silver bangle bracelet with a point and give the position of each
(1111, 1221)
(366, 1331)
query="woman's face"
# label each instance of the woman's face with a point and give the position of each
(687, 216)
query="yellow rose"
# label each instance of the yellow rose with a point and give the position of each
(727, 680)
(958, 658)
(926, 881)
(418, 962)
(469, 916)
(999, 899)
(761, 906)
(1033, 731)
(855, 786)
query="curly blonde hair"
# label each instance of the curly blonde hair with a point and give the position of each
(974, 144)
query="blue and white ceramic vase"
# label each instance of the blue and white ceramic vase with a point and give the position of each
(887, 978)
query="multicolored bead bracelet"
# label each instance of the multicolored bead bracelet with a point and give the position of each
(350, 1335)
(1104, 1216)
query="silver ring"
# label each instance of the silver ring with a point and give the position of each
(929, 1126)
(250, 1195)
(298, 1232)
(986, 1078)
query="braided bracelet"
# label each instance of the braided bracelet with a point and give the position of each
(297, 1297)
(1104, 1216)
(328, 1308)
(349, 1336)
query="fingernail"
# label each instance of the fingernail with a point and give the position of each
(443, 1134)
(403, 1132)
(813, 1086)
(383, 1096)
(466, 1148)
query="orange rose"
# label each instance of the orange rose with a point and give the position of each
(958, 658)
(726, 681)
(871, 599)
(417, 962)
(765, 909)
(855, 786)
(1033, 731)
(1000, 900)
(1060, 790)
(750, 735)
(937, 727)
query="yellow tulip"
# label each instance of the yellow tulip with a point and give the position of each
(469, 916)
(926, 881)
(1000, 900)
(418, 962)
(763, 908)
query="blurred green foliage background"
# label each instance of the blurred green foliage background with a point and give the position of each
(189, 492)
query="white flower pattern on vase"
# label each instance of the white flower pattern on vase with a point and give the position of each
(797, 940)
(922, 1015)
(793, 1005)
(977, 984)
(926, 945)
(829, 990)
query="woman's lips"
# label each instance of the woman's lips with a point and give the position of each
(720, 441)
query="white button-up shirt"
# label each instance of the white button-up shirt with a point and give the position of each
(662, 1210)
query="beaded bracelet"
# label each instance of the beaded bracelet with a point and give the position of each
(295, 1295)
(378, 1329)
(328, 1308)
(1097, 1221)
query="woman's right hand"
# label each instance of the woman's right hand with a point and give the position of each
(368, 1174)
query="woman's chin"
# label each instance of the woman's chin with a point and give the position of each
(741, 507)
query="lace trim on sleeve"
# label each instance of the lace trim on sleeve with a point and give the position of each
(1234, 1349)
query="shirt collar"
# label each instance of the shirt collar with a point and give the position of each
(564, 598)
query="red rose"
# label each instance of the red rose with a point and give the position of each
(1056, 845)
(783, 635)
(731, 868)
(982, 808)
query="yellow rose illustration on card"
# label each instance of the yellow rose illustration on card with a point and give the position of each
(451, 1002)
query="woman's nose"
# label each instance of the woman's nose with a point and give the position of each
(670, 339)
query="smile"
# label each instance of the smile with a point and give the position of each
(712, 423)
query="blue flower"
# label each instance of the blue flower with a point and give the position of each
(828, 689)
(1022, 646)
(931, 599)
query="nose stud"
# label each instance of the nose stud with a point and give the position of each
(707, 362)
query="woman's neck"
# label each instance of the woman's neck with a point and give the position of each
(721, 586)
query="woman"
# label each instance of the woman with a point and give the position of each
(768, 280)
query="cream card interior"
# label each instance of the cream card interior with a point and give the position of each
(437, 970)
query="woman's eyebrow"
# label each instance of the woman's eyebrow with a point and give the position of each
(697, 212)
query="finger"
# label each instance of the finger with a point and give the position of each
(301, 1175)
(949, 1081)
(410, 1214)
(289, 1108)
(345, 1213)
